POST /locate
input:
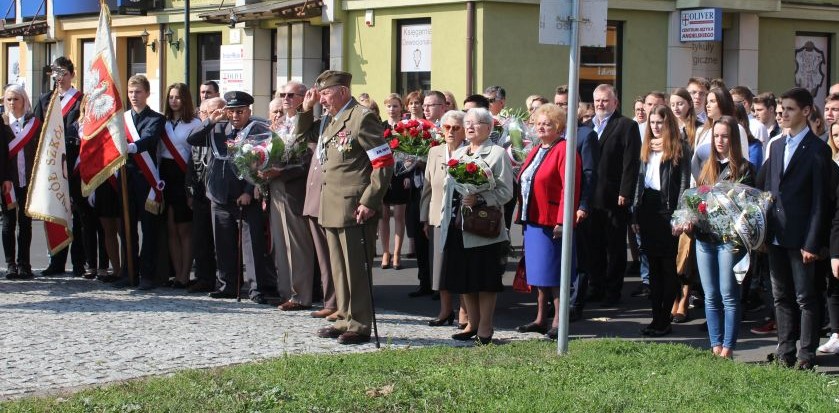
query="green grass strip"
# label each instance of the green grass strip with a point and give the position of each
(595, 376)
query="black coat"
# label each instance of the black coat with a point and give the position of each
(799, 214)
(674, 180)
(589, 152)
(617, 170)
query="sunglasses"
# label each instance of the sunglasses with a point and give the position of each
(287, 95)
(453, 128)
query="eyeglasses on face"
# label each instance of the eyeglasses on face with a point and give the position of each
(469, 123)
(288, 95)
(453, 128)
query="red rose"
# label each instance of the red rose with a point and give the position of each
(394, 143)
(413, 123)
(703, 208)
(399, 127)
(452, 163)
(704, 189)
(471, 168)
(434, 143)
(413, 133)
(387, 132)
(426, 134)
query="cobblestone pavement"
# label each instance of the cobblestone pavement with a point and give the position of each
(64, 332)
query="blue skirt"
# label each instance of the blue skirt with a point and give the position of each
(543, 257)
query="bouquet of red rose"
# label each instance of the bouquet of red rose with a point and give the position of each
(470, 176)
(410, 141)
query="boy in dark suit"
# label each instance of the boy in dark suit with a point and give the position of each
(797, 174)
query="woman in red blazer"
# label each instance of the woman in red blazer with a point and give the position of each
(543, 181)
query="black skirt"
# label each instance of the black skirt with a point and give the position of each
(657, 238)
(106, 201)
(174, 192)
(472, 270)
(396, 193)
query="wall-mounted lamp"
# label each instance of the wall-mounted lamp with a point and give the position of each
(145, 37)
(171, 39)
(233, 20)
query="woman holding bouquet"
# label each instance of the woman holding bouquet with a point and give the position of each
(542, 199)
(715, 257)
(432, 197)
(175, 153)
(474, 264)
(719, 103)
(395, 197)
(663, 175)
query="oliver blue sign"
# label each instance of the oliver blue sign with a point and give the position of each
(69, 8)
(700, 25)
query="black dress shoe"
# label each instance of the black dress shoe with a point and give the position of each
(221, 294)
(804, 365)
(122, 282)
(351, 337)
(553, 333)
(78, 272)
(147, 285)
(421, 292)
(12, 272)
(660, 331)
(25, 272)
(329, 332)
(532, 328)
(482, 341)
(465, 336)
(437, 322)
(109, 278)
(49, 271)
(201, 286)
(642, 291)
(259, 299)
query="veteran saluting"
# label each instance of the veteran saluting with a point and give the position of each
(357, 166)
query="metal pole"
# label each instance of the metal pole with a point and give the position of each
(186, 43)
(570, 171)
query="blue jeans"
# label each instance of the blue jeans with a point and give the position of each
(722, 293)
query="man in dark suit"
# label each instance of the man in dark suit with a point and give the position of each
(619, 144)
(589, 152)
(71, 102)
(232, 198)
(144, 128)
(797, 174)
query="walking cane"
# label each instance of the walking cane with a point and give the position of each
(369, 272)
(239, 259)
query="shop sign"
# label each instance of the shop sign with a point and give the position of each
(416, 48)
(555, 17)
(136, 7)
(232, 69)
(69, 8)
(700, 25)
(706, 59)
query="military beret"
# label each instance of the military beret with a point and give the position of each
(237, 99)
(333, 78)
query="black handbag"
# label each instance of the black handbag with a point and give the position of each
(483, 221)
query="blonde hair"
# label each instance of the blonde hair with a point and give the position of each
(554, 113)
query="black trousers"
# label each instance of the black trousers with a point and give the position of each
(664, 288)
(17, 219)
(607, 255)
(78, 247)
(421, 244)
(797, 311)
(203, 246)
(259, 272)
(139, 218)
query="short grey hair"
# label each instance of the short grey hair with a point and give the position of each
(481, 115)
(498, 91)
(298, 87)
(457, 115)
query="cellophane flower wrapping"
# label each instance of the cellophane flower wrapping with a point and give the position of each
(728, 212)
(519, 142)
(470, 176)
(410, 140)
(256, 153)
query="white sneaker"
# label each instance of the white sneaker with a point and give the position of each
(832, 345)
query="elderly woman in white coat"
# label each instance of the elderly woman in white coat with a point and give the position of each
(431, 206)
(474, 264)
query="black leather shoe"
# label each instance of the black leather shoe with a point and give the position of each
(465, 336)
(259, 299)
(201, 286)
(329, 332)
(147, 285)
(437, 322)
(12, 272)
(351, 337)
(49, 271)
(122, 282)
(109, 278)
(482, 341)
(78, 272)
(25, 272)
(642, 291)
(532, 328)
(221, 294)
(660, 331)
(421, 292)
(553, 333)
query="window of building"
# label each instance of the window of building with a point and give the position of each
(87, 59)
(136, 57)
(13, 74)
(600, 64)
(209, 56)
(46, 80)
(413, 55)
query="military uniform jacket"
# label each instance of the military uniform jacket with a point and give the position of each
(357, 163)
(222, 183)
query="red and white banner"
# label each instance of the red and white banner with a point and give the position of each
(49, 189)
(70, 98)
(154, 202)
(103, 145)
(168, 134)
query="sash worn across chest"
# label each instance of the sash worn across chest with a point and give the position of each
(154, 202)
(23, 137)
(168, 140)
(69, 100)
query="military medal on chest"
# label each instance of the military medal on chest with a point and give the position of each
(343, 141)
